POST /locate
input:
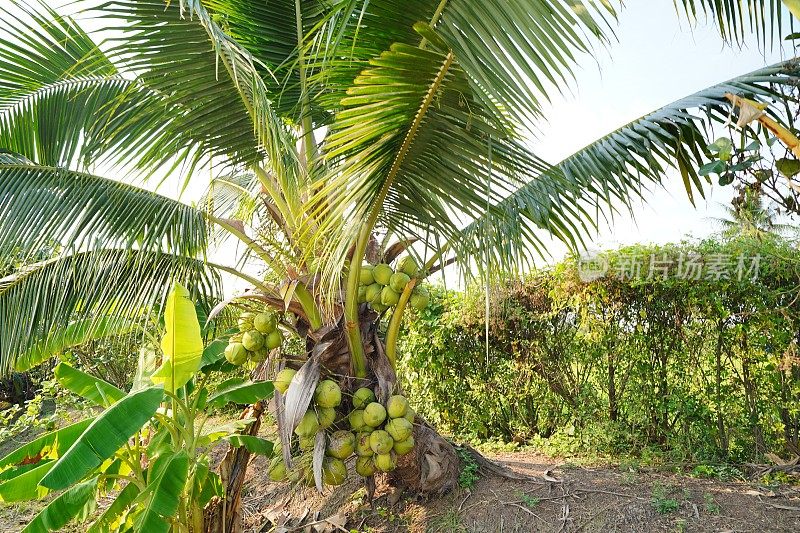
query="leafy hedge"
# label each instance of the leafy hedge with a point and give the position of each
(702, 369)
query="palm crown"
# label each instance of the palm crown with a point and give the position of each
(321, 123)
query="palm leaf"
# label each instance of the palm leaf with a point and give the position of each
(217, 101)
(736, 20)
(616, 168)
(41, 205)
(37, 300)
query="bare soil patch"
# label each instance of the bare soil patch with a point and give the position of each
(560, 499)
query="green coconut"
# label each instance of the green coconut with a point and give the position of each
(306, 444)
(419, 299)
(374, 414)
(309, 425)
(365, 467)
(380, 308)
(363, 448)
(260, 355)
(236, 353)
(245, 321)
(342, 444)
(398, 281)
(382, 273)
(356, 419)
(403, 447)
(389, 297)
(380, 441)
(283, 379)
(328, 393)
(277, 469)
(274, 340)
(399, 428)
(365, 276)
(363, 397)
(408, 266)
(265, 322)
(334, 471)
(373, 293)
(253, 340)
(385, 462)
(410, 414)
(326, 417)
(362, 294)
(397, 406)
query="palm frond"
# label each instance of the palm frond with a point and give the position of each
(215, 103)
(40, 205)
(736, 20)
(615, 169)
(39, 300)
(54, 81)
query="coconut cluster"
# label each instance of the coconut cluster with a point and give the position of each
(381, 286)
(377, 433)
(258, 334)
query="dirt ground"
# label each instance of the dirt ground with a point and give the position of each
(561, 499)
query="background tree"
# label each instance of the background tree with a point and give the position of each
(322, 128)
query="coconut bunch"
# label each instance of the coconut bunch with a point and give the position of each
(258, 334)
(382, 432)
(377, 433)
(381, 286)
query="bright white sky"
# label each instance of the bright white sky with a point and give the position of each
(658, 59)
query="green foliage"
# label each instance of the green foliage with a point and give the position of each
(144, 448)
(469, 468)
(663, 367)
(661, 502)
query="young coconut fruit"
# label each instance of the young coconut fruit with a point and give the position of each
(334, 471)
(365, 276)
(398, 281)
(326, 417)
(408, 266)
(362, 398)
(328, 394)
(397, 406)
(363, 449)
(342, 445)
(236, 353)
(277, 470)
(265, 323)
(380, 442)
(403, 447)
(374, 414)
(365, 467)
(389, 297)
(379, 307)
(382, 273)
(419, 298)
(260, 355)
(399, 428)
(273, 340)
(410, 414)
(385, 462)
(362, 294)
(253, 340)
(373, 294)
(309, 425)
(356, 419)
(283, 379)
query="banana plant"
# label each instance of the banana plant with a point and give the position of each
(339, 141)
(144, 448)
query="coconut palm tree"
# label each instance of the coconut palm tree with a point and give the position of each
(330, 134)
